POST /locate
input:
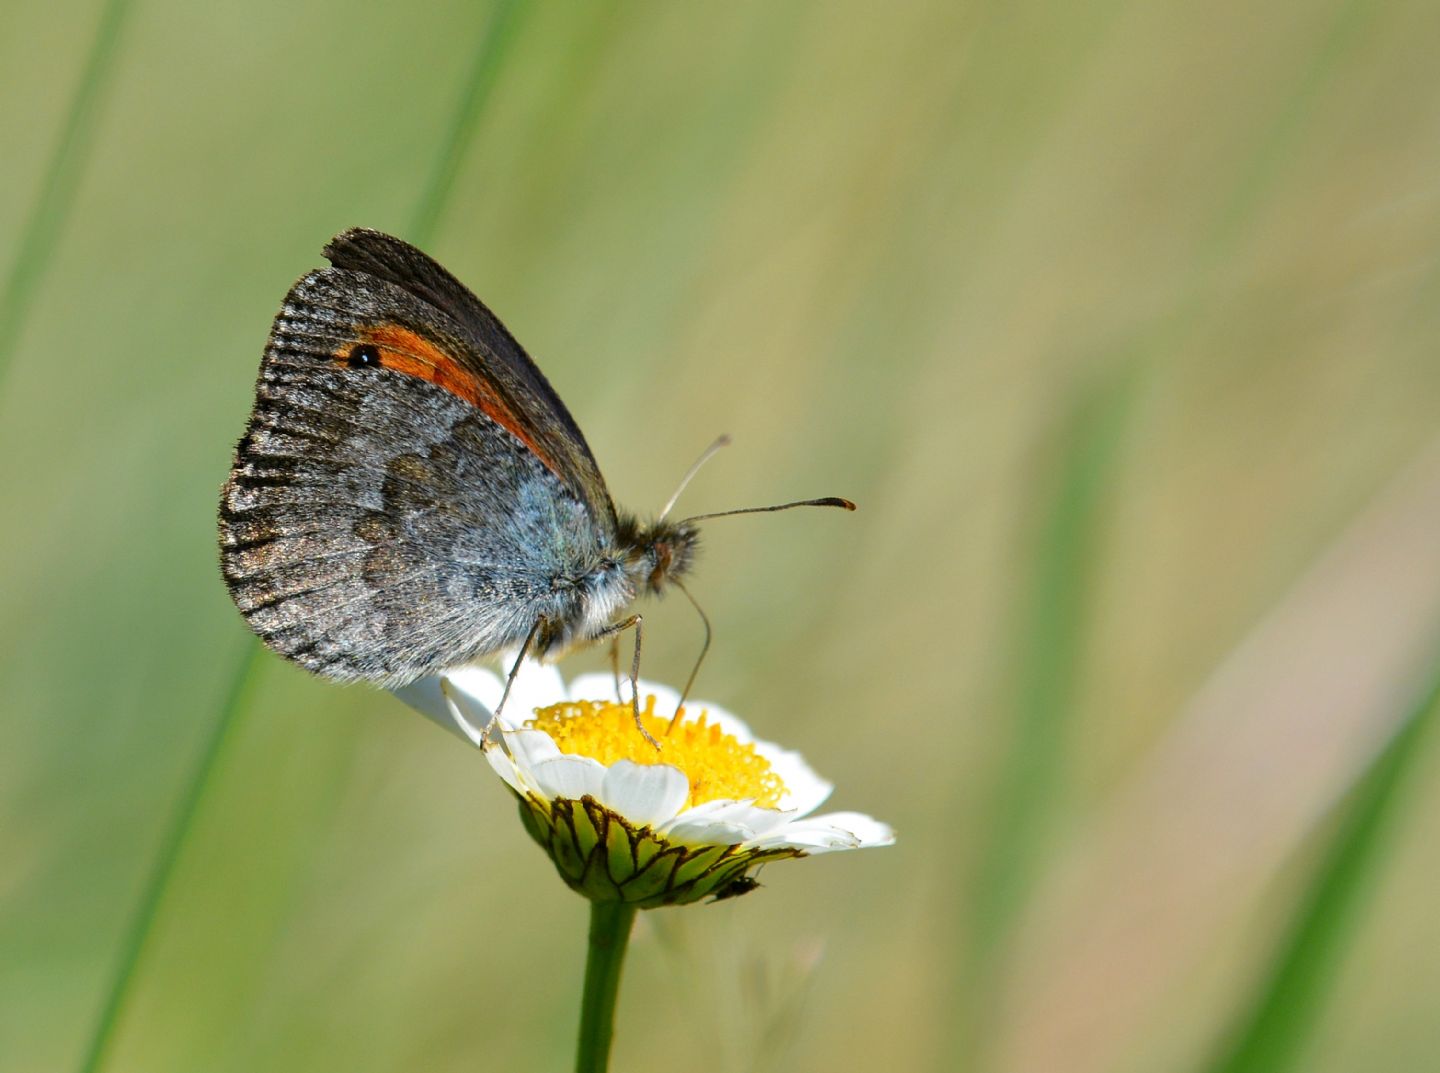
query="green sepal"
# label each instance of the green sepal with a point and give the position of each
(535, 819)
(567, 844)
(647, 849)
(698, 862)
(597, 884)
(654, 879)
(620, 841)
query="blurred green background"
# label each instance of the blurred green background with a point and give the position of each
(1118, 320)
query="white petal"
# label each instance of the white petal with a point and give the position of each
(646, 794)
(460, 711)
(741, 814)
(707, 832)
(517, 754)
(568, 776)
(425, 697)
(528, 748)
(869, 831)
(480, 686)
(537, 685)
(805, 791)
(833, 831)
(595, 686)
(504, 766)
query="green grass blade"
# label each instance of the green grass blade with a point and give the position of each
(1053, 620)
(1052, 629)
(1271, 1034)
(1276, 147)
(138, 934)
(43, 226)
(485, 68)
(498, 34)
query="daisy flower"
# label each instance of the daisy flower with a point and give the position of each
(623, 822)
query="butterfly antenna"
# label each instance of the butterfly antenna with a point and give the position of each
(828, 501)
(689, 682)
(705, 456)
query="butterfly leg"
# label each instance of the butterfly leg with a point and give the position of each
(704, 648)
(615, 663)
(510, 680)
(612, 631)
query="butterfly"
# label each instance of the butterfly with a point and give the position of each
(411, 495)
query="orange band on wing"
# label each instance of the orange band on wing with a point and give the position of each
(409, 352)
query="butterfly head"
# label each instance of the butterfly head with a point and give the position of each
(659, 551)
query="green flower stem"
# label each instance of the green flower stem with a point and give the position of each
(610, 924)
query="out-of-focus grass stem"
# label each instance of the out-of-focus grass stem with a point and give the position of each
(1052, 628)
(46, 221)
(497, 36)
(484, 69)
(1051, 621)
(138, 934)
(1271, 1032)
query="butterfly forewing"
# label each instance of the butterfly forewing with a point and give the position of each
(490, 352)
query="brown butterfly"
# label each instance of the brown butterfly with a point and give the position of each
(411, 495)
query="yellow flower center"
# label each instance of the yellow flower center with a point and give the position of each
(718, 765)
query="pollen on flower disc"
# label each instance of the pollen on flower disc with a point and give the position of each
(718, 765)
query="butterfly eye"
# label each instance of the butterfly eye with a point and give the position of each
(364, 356)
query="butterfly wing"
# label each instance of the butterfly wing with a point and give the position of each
(397, 504)
(492, 355)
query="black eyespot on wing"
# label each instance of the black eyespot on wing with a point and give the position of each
(364, 356)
